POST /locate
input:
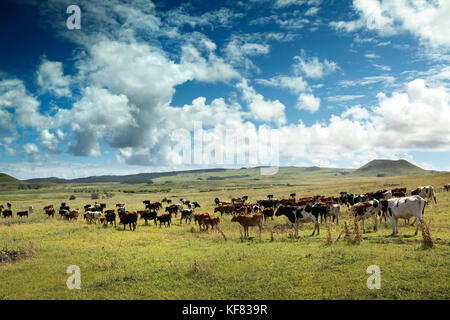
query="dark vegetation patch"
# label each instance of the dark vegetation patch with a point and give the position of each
(8, 255)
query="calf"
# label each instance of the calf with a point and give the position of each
(300, 214)
(50, 212)
(22, 213)
(447, 187)
(130, 218)
(405, 208)
(364, 210)
(73, 215)
(250, 220)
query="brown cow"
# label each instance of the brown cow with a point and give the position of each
(130, 218)
(250, 220)
(225, 209)
(268, 212)
(211, 221)
(199, 218)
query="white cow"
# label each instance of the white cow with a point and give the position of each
(334, 211)
(404, 208)
(387, 195)
(426, 192)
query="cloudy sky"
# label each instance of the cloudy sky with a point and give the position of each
(339, 83)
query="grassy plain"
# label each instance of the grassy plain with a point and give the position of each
(182, 263)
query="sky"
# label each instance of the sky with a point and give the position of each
(146, 86)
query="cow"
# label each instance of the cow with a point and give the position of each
(387, 195)
(165, 218)
(73, 215)
(30, 208)
(268, 212)
(287, 202)
(187, 214)
(255, 209)
(130, 218)
(364, 210)
(292, 195)
(49, 211)
(300, 214)
(164, 199)
(199, 218)
(148, 215)
(153, 206)
(172, 209)
(379, 195)
(333, 211)
(120, 205)
(250, 220)
(110, 217)
(211, 221)
(224, 209)
(245, 198)
(447, 187)
(7, 213)
(269, 196)
(22, 213)
(403, 189)
(268, 203)
(426, 192)
(404, 208)
(64, 212)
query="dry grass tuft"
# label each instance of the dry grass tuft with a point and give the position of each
(426, 235)
(329, 235)
(357, 231)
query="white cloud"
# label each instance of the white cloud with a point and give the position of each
(294, 84)
(13, 94)
(312, 67)
(30, 148)
(341, 98)
(371, 56)
(426, 20)
(49, 140)
(51, 79)
(308, 102)
(260, 108)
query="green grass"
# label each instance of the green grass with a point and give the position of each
(182, 263)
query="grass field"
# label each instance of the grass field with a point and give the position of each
(182, 263)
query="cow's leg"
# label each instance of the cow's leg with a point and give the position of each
(415, 219)
(364, 225)
(417, 230)
(375, 220)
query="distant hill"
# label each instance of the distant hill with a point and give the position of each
(6, 179)
(388, 168)
(380, 168)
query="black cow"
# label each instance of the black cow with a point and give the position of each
(148, 215)
(268, 203)
(186, 214)
(165, 218)
(110, 217)
(22, 213)
(7, 213)
(172, 209)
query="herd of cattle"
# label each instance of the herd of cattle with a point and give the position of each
(382, 204)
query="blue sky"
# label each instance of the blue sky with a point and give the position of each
(338, 83)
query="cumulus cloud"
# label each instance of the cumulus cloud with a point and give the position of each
(294, 84)
(308, 102)
(312, 67)
(426, 20)
(13, 94)
(260, 108)
(51, 79)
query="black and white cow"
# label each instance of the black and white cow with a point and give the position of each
(426, 192)
(404, 208)
(300, 214)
